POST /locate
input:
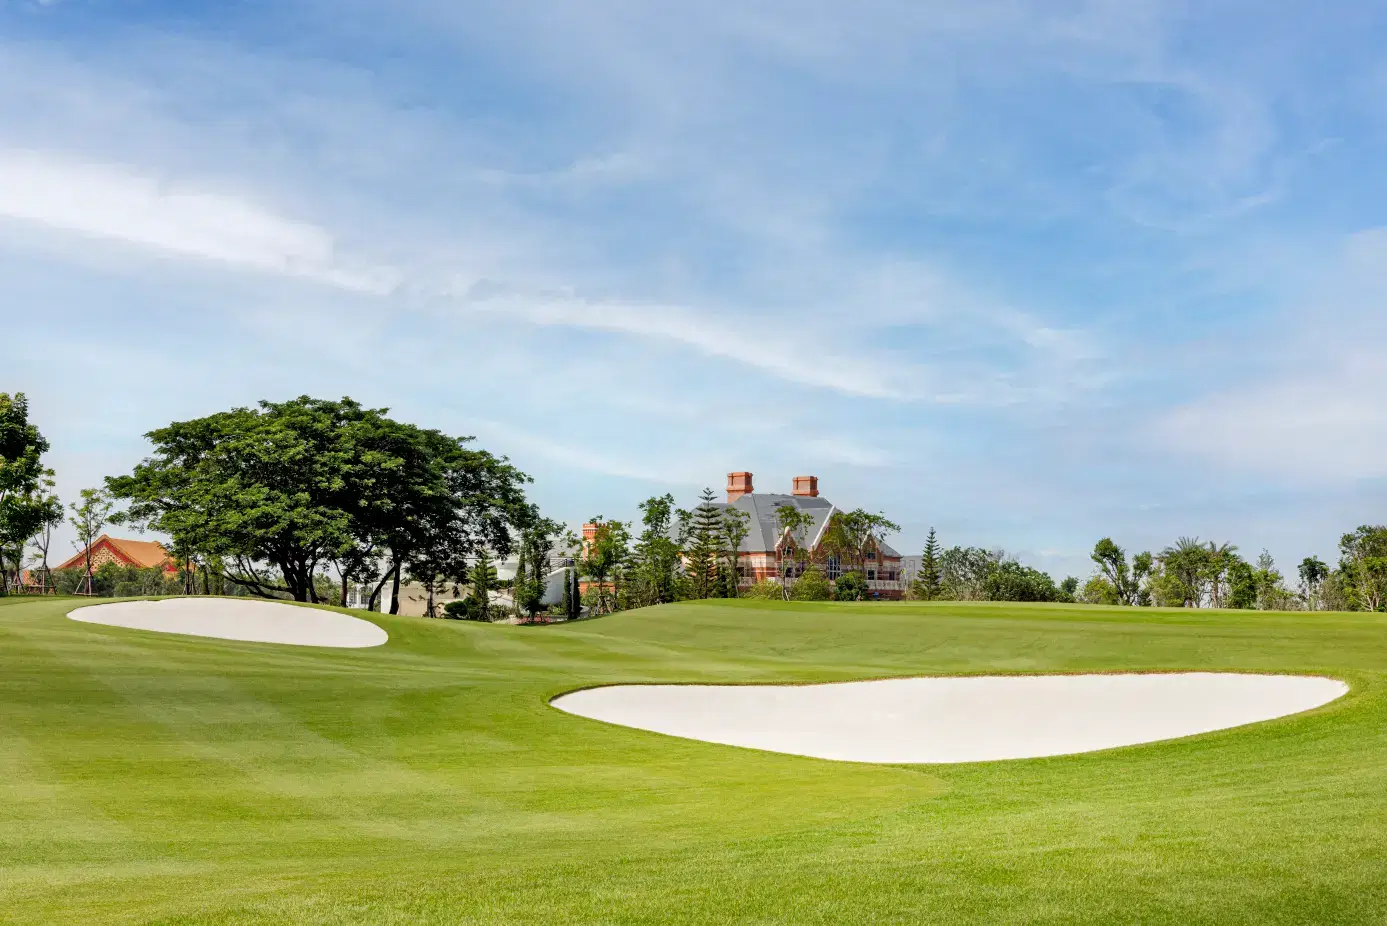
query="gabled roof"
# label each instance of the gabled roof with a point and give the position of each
(143, 553)
(764, 533)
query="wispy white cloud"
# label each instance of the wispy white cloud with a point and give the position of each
(118, 204)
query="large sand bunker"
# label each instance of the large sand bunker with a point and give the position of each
(941, 720)
(238, 619)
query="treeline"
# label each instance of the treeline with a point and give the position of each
(296, 499)
(692, 554)
(975, 574)
(1193, 573)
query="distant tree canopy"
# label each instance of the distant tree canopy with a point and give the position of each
(297, 485)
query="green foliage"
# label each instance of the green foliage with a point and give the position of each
(703, 553)
(1313, 572)
(27, 504)
(1363, 563)
(1011, 581)
(812, 586)
(289, 487)
(928, 585)
(1126, 582)
(736, 524)
(603, 560)
(655, 563)
(532, 571)
(1186, 567)
(851, 586)
(765, 590)
(1100, 590)
(1242, 586)
(963, 572)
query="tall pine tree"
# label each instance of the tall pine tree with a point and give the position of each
(705, 548)
(927, 580)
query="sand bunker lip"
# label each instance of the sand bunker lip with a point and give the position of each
(237, 619)
(964, 719)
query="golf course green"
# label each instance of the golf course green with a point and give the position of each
(155, 778)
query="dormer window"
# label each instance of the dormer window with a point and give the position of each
(871, 554)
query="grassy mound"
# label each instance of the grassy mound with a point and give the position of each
(147, 777)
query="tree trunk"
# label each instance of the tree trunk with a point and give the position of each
(344, 588)
(395, 591)
(375, 593)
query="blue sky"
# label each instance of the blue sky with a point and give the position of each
(1032, 272)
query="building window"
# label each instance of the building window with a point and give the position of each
(833, 569)
(871, 575)
(871, 554)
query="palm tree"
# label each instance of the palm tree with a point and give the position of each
(1221, 556)
(1187, 561)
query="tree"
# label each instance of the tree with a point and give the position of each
(1186, 567)
(532, 570)
(482, 579)
(854, 536)
(25, 505)
(1070, 588)
(705, 547)
(851, 586)
(87, 519)
(963, 572)
(812, 586)
(1100, 590)
(655, 562)
(1242, 585)
(51, 509)
(1313, 571)
(603, 560)
(793, 524)
(736, 524)
(281, 490)
(1126, 581)
(1009, 580)
(1219, 560)
(927, 583)
(1363, 562)
(568, 594)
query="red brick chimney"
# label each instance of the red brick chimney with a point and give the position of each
(738, 484)
(807, 486)
(589, 534)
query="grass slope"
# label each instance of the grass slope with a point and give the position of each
(148, 778)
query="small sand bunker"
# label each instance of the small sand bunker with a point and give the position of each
(238, 619)
(939, 720)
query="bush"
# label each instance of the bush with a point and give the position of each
(468, 609)
(1011, 581)
(812, 586)
(766, 590)
(851, 586)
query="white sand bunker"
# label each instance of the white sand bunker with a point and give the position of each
(955, 719)
(238, 619)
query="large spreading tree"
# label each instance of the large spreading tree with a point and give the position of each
(280, 492)
(26, 504)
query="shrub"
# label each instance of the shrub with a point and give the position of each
(468, 609)
(851, 586)
(812, 586)
(766, 590)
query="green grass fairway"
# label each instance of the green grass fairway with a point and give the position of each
(148, 778)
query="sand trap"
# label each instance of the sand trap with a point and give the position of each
(955, 719)
(237, 619)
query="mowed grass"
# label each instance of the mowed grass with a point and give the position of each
(149, 778)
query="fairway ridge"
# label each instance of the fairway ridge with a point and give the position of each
(238, 619)
(958, 719)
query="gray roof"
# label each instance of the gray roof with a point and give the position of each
(764, 533)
